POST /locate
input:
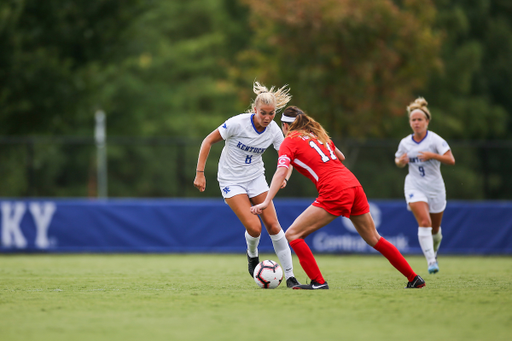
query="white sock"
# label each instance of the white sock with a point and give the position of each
(427, 243)
(437, 240)
(252, 244)
(283, 252)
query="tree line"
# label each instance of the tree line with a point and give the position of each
(179, 69)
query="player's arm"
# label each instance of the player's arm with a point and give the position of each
(447, 158)
(288, 175)
(339, 154)
(402, 160)
(275, 185)
(204, 151)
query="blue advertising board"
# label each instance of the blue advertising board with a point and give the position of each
(191, 225)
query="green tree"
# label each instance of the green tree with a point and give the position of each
(470, 97)
(158, 68)
(174, 83)
(174, 80)
(50, 52)
(468, 94)
(352, 64)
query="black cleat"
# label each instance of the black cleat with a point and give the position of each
(253, 263)
(292, 282)
(417, 283)
(311, 286)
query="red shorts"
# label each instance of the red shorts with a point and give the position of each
(348, 202)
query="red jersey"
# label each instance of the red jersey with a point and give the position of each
(316, 161)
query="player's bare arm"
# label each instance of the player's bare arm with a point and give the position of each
(402, 160)
(288, 175)
(447, 158)
(339, 154)
(206, 145)
(277, 180)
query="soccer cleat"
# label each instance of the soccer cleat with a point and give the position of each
(311, 286)
(253, 262)
(417, 283)
(292, 282)
(433, 268)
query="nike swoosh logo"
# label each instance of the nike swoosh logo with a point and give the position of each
(318, 286)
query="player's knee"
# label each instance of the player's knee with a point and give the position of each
(290, 236)
(424, 222)
(254, 231)
(372, 239)
(274, 229)
(368, 233)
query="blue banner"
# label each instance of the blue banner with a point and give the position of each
(191, 225)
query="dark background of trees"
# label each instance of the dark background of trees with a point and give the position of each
(169, 72)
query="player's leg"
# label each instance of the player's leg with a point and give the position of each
(437, 205)
(241, 205)
(366, 228)
(437, 235)
(420, 209)
(312, 219)
(281, 247)
(363, 222)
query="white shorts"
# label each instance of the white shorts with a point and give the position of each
(436, 203)
(251, 188)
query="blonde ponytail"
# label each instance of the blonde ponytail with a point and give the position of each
(279, 97)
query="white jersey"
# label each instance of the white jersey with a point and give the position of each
(424, 175)
(241, 158)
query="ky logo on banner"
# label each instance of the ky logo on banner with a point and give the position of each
(12, 214)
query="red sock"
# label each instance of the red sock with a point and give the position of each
(307, 260)
(396, 259)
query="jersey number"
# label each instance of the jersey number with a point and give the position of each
(320, 152)
(248, 159)
(422, 171)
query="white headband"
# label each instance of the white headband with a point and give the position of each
(287, 119)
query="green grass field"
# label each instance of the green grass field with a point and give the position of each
(212, 297)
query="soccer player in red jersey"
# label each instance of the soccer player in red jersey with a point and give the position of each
(309, 149)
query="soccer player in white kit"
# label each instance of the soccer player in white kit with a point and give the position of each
(241, 173)
(424, 189)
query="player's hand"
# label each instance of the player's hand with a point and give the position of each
(425, 156)
(258, 209)
(283, 185)
(403, 160)
(200, 182)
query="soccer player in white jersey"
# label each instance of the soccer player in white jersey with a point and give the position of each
(424, 190)
(241, 173)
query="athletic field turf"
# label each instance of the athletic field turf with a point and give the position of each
(211, 297)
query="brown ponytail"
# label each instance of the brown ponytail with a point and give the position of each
(305, 124)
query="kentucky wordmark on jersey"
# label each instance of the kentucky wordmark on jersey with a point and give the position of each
(241, 158)
(424, 175)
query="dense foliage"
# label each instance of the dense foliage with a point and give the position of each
(177, 69)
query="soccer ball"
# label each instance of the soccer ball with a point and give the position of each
(268, 274)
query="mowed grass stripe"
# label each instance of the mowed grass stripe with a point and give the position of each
(212, 297)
